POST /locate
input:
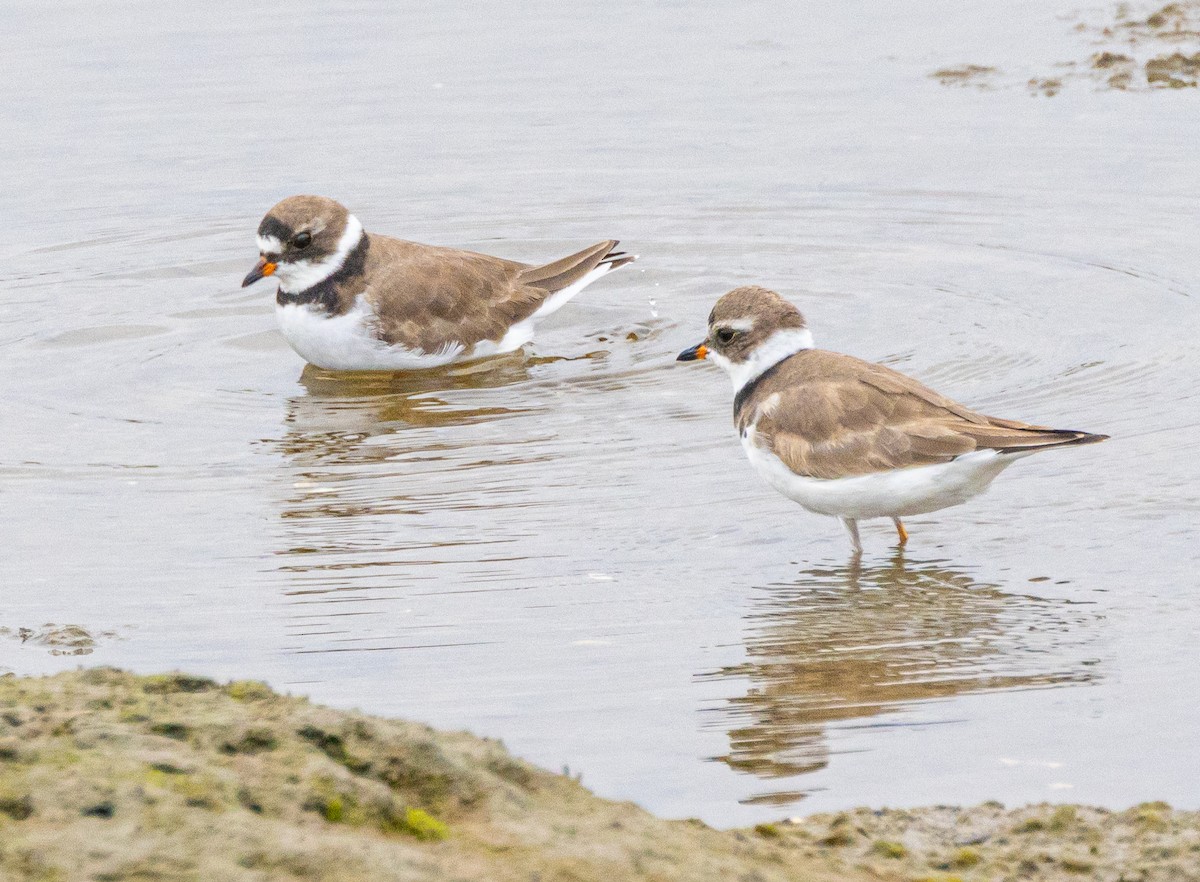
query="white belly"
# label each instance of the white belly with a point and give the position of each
(348, 342)
(522, 332)
(909, 491)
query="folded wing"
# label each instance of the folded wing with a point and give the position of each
(836, 416)
(426, 295)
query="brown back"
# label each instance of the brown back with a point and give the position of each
(424, 295)
(837, 416)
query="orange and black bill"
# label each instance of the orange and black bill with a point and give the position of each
(261, 270)
(696, 353)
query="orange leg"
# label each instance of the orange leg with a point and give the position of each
(900, 531)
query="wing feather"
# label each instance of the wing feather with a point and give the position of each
(424, 295)
(837, 416)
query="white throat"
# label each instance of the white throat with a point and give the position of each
(300, 275)
(777, 347)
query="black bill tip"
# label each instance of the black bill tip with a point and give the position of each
(262, 269)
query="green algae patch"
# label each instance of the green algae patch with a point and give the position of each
(424, 825)
(841, 832)
(1063, 818)
(249, 690)
(1151, 816)
(889, 849)
(965, 857)
(334, 810)
(1030, 825)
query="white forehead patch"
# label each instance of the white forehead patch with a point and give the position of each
(269, 245)
(742, 324)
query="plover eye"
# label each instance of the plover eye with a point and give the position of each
(725, 335)
(301, 240)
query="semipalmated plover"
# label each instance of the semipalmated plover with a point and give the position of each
(848, 438)
(349, 300)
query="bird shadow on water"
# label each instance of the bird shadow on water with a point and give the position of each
(839, 647)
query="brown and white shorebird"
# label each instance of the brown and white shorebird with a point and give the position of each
(848, 438)
(349, 300)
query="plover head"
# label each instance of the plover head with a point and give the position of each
(303, 241)
(750, 330)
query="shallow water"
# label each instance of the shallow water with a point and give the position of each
(567, 550)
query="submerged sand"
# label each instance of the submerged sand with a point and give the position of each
(1128, 47)
(110, 776)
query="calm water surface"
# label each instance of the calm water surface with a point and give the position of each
(566, 549)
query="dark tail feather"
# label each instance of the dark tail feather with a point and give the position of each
(618, 258)
(1048, 439)
(569, 270)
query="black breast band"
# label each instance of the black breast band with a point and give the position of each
(325, 293)
(746, 391)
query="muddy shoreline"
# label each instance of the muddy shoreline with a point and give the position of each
(108, 775)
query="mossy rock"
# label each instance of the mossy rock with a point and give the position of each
(107, 775)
